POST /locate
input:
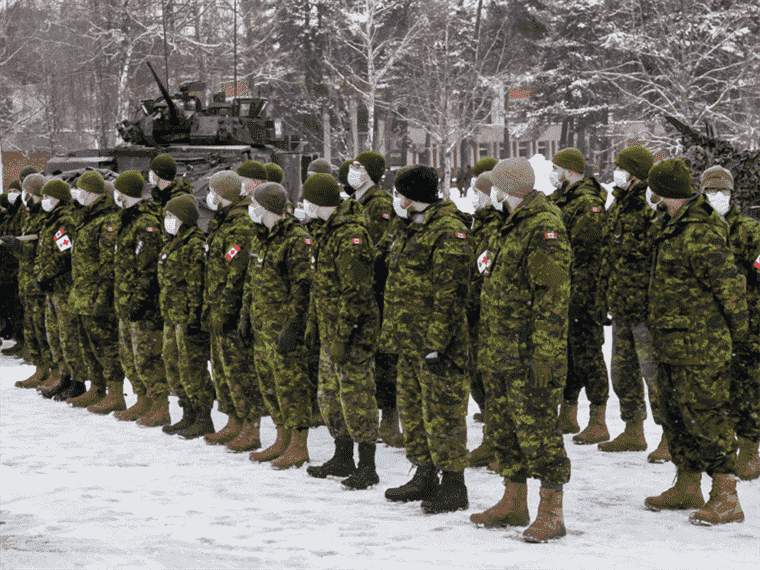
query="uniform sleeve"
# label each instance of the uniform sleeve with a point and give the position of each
(451, 278)
(195, 279)
(236, 254)
(379, 213)
(299, 270)
(355, 262)
(586, 229)
(150, 243)
(56, 261)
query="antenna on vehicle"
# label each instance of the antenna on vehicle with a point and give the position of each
(234, 49)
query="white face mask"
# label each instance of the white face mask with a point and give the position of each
(652, 204)
(212, 200)
(344, 196)
(401, 206)
(620, 178)
(357, 178)
(172, 224)
(479, 199)
(310, 210)
(152, 178)
(25, 197)
(49, 203)
(720, 202)
(12, 197)
(554, 179)
(123, 201)
(514, 202)
(256, 218)
(496, 202)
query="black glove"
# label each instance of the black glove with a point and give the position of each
(289, 336)
(541, 373)
(45, 286)
(136, 310)
(436, 363)
(244, 330)
(338, 351)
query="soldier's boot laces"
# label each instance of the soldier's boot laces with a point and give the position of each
(723, 505)
(748, 463)
(74, 390)
(596, 430)
(202, 425)
(482, 455)
(366, 475)
(423, 485)
(142, 406)
(53, 379)
(279, 446)
(550, 521)
(341, 464)
(39, 377)
(188, 417)
(511, 510)
(451, 495)
(685, 494)
(297, 452)
(632, 439)
(227, 433)
(113, 402)
(92, 396)
(568, 418)
(662, 453)
(158, 414)
(248, 439)
(389, 427)
(62, 382)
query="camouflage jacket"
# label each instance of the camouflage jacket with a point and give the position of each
(259, 232)
(697, 298)
(396, 228)
(53, 261)
(744, 239)
(624, 277)
(378, 205)
(428, 283)
(526, 289)
(181, 270)
(485, 225)
(34, 224)
(139, 241)
(583, 213)
(279, 277)
(8, 261)
(343, 304)
(228, 242)
(178, 187)
(92, 259)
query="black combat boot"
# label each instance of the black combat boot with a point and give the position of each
(74, 390)
(424, 485)
(188, 419)
(63, 382)
(451, 495)
(366, 475)
(202, 422)
(341, 464)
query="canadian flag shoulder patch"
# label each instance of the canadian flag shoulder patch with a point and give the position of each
(150, 229)
(232, 252)
(484, 261)
(59, 233)
(356, 241)
(387, 216)
(550, 235)
(757, 262)
(596, 209)
(110, 228)
(460, 235)
(307, 241)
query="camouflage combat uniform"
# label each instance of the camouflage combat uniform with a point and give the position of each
(343, 308)
(583, 212)
(279, 279)
(425, 312)
(228, 243)
(92, 291)
(525, 298)
(315, 228)
(185, 349)
(624, 283)
(697, 312)
(178, 187)
(11, 309)
(140, 238)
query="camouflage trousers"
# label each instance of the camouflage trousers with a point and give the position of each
(235, 380)
(347, 397)
(63, 336)
(100, 348)
(745, 396)
(11, 311)
(36, 347)
(386, 371)
(283, 384)
(140, 347)
(632, 358)
(186, 363)
(585, 363)
(433, 411)
(696, 405)
(477, 387)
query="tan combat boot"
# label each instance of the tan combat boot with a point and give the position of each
(53, 378)
(596, 430)
(632, 439)
(227, 433)
(276, 449)
(36, 379)
(685, 494)
(141, 407)
(297, 452)
(92, 396)
(248, 439)
(158, 414)
(723, 505)
(568, 418)
(550, 522)
(511, 510)
(748, 463)
(113, 402)
(662, 453)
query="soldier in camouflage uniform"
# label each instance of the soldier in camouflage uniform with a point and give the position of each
(279, 274)
(582, 203)
(10, 303)
(92, 291)
(523, 350)
(181, 265)
(425, 320)
(698, 317)
(624, 283)
(717, 184)
(229, 238)
(162, 178)
(344, 316)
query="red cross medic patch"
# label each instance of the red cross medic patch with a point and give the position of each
(232, 252)
(484, 261)
(63, 243)
(550, 235)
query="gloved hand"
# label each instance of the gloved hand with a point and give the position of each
(136, 311)
(436, 363)
(541, 373)
(289, 336)
(338, 351)
(244, 330)
(45, 286)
